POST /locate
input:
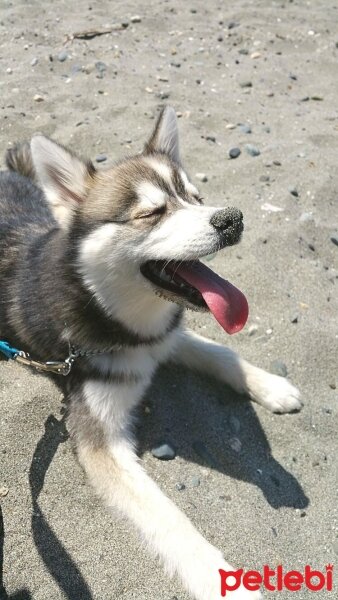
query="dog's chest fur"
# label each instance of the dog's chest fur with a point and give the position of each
(116, 382)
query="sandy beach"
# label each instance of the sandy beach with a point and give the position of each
(259, 77)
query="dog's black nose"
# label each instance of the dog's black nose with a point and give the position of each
(229, 225)
(227, 218)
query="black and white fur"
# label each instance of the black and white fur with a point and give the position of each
(71, 251)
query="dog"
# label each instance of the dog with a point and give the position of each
(105, 262)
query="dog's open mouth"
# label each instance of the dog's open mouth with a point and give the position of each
(195, 285)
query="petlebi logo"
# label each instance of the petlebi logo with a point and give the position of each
(277, 579)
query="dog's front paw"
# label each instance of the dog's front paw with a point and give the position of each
(275, 393)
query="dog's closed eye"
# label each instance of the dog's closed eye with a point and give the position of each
(158, 210)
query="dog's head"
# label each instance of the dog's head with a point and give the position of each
(141, 228)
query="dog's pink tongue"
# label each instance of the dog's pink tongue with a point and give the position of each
(228, 305)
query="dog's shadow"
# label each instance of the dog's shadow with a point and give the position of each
(211, 425)
(208, 423)
(57, 560)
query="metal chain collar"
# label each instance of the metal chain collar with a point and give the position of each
(57, 367)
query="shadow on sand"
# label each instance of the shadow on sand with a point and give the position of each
(193, 414)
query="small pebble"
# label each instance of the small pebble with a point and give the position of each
(264, 178)
(255, 55)
(245, 128)
(294, 192)
(38, 98)
(277, 163)
(271, 207)
(294, 318)
(3, 491)
(252, 329)
(163, 452)
(252, 150)
(334, 239)
(332, 385)
(88, 68)
(117, 26)
(235, 444)
(180, 486)
(210, 257)
(9, 71)
(245, 84)
(278, 367)
(201, 177)
(34, 61)
(243, 51)
(210, 138)
(162, 95)
(62, 56)
(226, 497)
(235, 424)
(101, 158)
(230, 126)
(195, 482)
(234, 152)
(100, 66)
(306, 217)
(135, 19)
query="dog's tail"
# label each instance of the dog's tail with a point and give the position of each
(19, 159)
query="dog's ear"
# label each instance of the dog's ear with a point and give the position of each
(165, 135)
(64, 177)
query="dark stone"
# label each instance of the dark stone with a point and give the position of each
(164, 452)
(101, 158)
(252, 150)
(234, 152)
(334, 239)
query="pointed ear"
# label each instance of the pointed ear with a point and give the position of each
(63, 177)
(165, 135)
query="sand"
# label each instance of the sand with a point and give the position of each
(267, 483)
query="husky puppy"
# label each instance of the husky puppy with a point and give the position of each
(106, 261)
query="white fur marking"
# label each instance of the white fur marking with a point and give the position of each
(184, 235)
(191, 189)
(150, 196)
(161, 168)
(110, 266)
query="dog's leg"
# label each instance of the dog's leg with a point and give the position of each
(271, 391)
(117, 477)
